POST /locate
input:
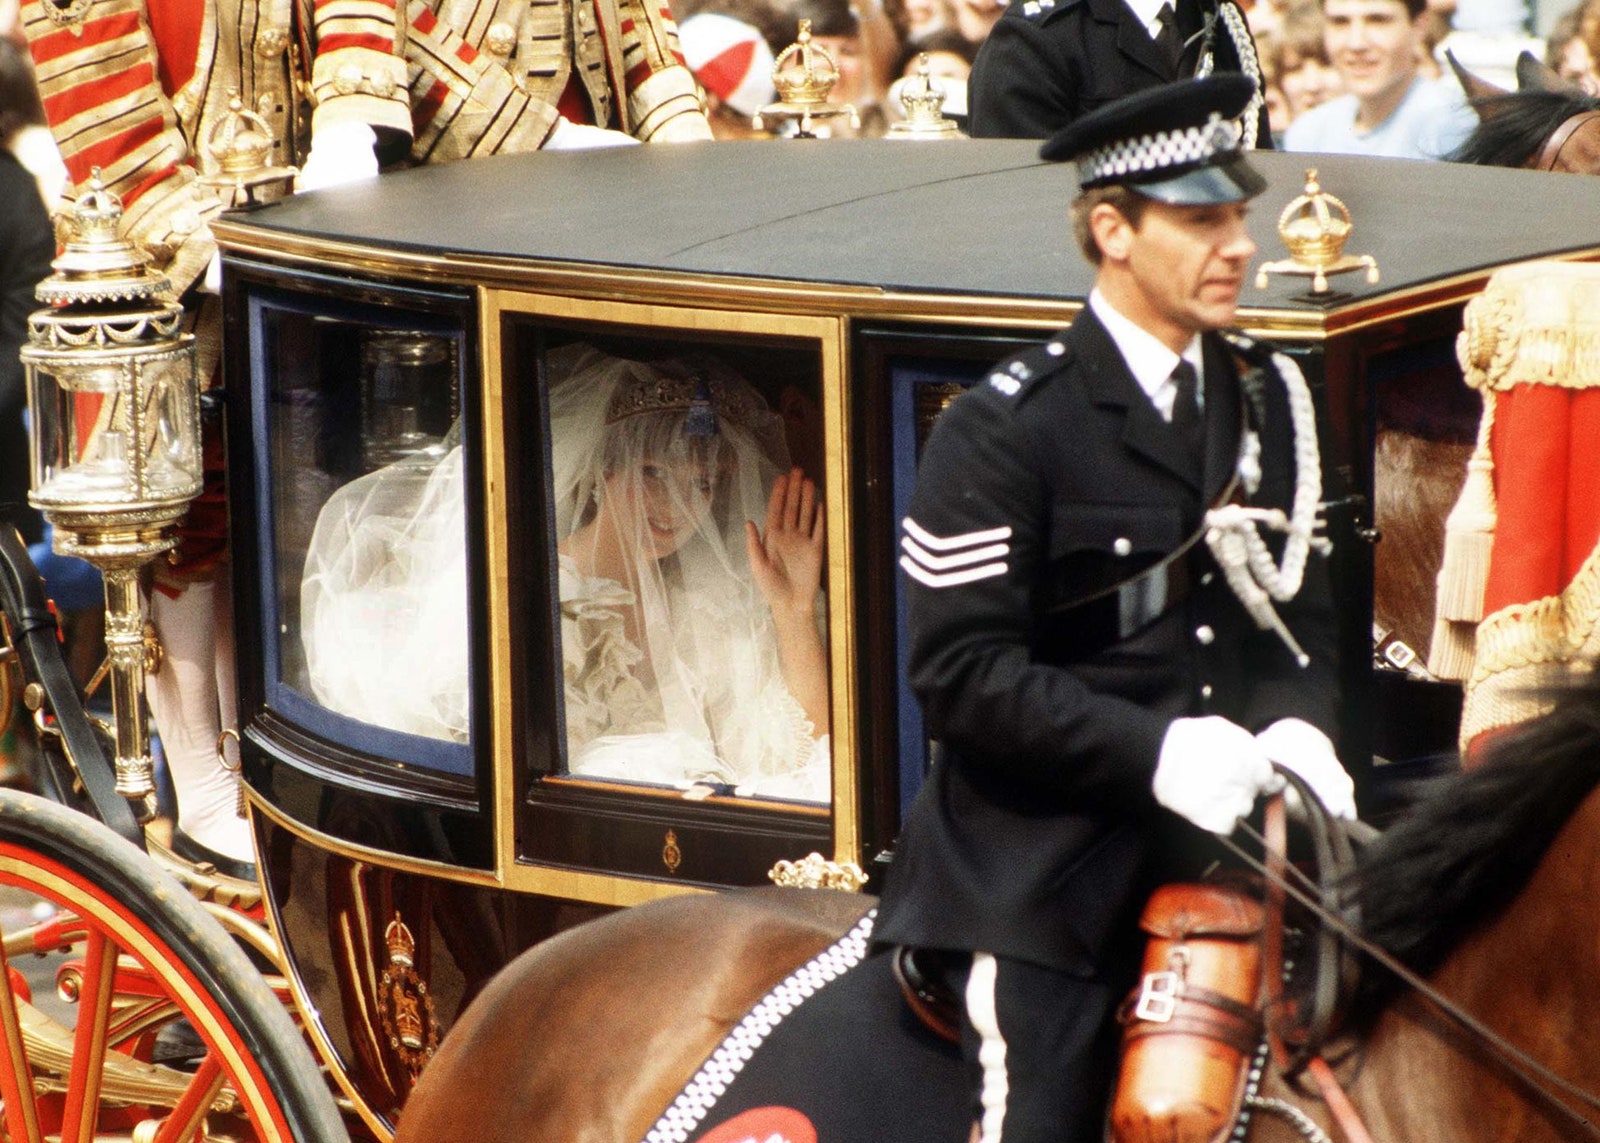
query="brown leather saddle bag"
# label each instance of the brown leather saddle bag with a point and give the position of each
(1194, 1022)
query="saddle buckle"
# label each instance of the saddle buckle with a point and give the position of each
(1159, 991)
(1158, 997)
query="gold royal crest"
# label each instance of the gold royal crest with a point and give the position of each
(405, 1009)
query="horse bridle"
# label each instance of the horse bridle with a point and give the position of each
(1550, 153)
(1283, 878)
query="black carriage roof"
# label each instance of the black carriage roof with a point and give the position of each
(970, 217)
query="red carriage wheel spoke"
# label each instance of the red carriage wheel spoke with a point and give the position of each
(186, 1120)
(16, 1081)
(89, 1040)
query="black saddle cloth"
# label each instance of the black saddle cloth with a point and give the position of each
(851, 1063)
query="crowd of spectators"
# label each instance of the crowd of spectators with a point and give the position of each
(877, 42)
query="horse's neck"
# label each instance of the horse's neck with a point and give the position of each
(1528, 975)
(1581, 155)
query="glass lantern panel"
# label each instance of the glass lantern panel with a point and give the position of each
(172, 427)
(81, 452)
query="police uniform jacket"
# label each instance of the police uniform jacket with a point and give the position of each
(1046, 62)
(1036, 835)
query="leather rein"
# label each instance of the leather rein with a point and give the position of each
(1338, 926)
(1550, 153)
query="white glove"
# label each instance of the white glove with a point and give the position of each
(570, 136)
(341, 153)
(1297, 745)
(1210, 771)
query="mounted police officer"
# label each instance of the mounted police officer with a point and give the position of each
(1046, 62)
(1111, 641)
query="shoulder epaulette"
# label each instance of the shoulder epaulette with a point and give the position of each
(1015, 376)
(1039, 11)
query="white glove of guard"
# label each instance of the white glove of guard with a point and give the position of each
(341, 153)
(1210, 771)
(570, 136)
(1297, 745)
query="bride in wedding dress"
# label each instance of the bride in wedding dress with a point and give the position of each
(690, 579)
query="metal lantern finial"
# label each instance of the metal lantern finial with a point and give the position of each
(115, 448)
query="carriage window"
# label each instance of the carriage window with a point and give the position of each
(687, 501)
(365, 575)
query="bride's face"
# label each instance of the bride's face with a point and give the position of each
(658, 504)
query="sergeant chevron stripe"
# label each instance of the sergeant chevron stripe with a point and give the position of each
(953, 560)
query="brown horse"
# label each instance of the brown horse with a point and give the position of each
(1490, 886)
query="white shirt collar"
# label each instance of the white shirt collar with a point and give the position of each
(1148, 358)
(1146, 12)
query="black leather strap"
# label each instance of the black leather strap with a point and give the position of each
(33, 631)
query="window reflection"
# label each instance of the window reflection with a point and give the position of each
(691, 560)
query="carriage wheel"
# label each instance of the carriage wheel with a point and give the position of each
(140, 965)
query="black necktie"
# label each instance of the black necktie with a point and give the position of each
(1167, 42)
(1186, 416)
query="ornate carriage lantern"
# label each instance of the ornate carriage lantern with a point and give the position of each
(805, 75)
(115, 451)
(1315, 226)
(922, 97)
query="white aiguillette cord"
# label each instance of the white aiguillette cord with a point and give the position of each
(1233, 531)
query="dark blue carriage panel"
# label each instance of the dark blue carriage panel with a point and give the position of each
(903, 379)
(362, 460)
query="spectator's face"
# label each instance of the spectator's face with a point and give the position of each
(1577, 65)
(974, 18)
(1306, 82)
(1374, 45)
(924, 16)
(846, 53)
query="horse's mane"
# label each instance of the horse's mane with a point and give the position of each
(1515, 124)
(1469, 846)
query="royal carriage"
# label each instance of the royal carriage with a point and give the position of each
(403, 339)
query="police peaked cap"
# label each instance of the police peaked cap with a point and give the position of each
(1177, 144)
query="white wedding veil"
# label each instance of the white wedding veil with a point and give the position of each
(671, 660)
(383, 597)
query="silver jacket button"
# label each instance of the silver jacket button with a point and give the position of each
(1122, 546)
(1204, 635)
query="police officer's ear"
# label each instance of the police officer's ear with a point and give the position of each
(1111, 230)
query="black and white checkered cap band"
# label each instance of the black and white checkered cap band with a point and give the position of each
(1185, 147)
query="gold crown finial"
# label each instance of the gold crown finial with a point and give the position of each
(1315, 226)
(242, 141)
(804, 73)
(922, 99)
(240, 150)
